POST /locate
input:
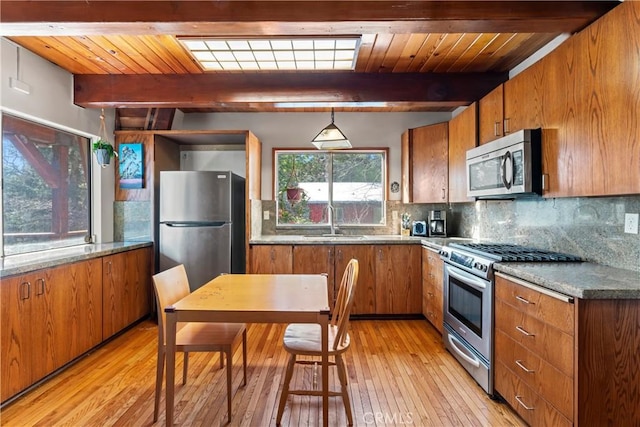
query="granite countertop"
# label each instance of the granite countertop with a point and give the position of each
(20, 264)
(368, 239)
(586, 280)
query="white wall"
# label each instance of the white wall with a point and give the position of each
(214, 160)
(296, 130)
(50, 102)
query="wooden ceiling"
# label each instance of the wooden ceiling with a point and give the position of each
(414, 55)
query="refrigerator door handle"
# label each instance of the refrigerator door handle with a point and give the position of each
(195, 224)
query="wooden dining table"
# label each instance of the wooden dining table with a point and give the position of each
(252, 298)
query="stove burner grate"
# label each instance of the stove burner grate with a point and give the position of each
(516, 253)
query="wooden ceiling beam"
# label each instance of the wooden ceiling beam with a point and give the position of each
(209, 90)
(267, 17)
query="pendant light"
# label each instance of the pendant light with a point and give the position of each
(331, 138)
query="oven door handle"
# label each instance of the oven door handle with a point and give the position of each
(456, 344)
(467, 279)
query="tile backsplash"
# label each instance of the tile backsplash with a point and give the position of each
(592, 228)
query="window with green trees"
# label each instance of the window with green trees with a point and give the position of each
(45, 187)
(352, 182)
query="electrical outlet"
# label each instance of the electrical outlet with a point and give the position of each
(394, 215)
(265, 215)
(631, 223)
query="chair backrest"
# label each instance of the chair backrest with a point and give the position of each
(344, 301)
(170, 286)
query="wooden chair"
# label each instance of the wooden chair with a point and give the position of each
(171, 286)
(305, 339)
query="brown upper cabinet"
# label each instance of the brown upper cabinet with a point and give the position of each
(491, 121)
(462, 137)
(425, 163)
(584, 96)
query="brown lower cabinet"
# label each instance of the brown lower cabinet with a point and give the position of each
(49, 317)
(432, 282)
(388, 280)
(126, 289)
(565, 362)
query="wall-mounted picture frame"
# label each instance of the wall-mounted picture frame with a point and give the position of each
(131, 165)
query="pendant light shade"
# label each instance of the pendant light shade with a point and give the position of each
(331, 138)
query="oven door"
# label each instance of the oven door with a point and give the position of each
(468, 308)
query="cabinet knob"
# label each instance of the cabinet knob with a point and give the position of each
(40, 290)
(496, 128)
(505, 125)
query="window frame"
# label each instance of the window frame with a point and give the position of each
(89, 176)
(289, 150)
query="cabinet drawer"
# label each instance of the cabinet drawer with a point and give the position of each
(548, 309)
(551, 384)
(529, 405)
(547, 342)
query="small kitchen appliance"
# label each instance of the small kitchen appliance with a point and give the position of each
(419, 228)
(468, 284)
(437, 223)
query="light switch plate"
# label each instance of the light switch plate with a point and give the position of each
(631, 223)
(394, 215)
(265, 215)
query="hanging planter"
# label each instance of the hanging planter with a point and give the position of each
(104, 152)
(294, 194)
(102, 148)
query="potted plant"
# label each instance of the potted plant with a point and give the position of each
(104, 152)
(294, 192)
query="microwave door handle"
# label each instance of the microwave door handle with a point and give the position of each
(478, 284)
(507, 158)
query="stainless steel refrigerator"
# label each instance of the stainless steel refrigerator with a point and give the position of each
(202, 217)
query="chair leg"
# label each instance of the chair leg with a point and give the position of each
(159, 375)
(229, 367)
(244, 355)
(285, 388)
(342, 375)
(185, 367)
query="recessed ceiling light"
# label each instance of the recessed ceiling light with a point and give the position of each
(317, 53)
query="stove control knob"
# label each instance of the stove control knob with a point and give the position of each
(444, 253)
(483, 267)
(477, 266)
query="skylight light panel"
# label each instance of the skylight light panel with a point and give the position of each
(274, 54)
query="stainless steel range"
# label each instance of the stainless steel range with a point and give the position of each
(468, 300)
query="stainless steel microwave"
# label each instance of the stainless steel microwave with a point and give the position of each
(507, 167)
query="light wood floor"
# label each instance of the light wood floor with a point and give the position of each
(399, 374)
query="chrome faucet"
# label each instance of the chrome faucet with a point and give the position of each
(330, 217)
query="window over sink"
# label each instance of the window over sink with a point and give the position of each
(310, 185)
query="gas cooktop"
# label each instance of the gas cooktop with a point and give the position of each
(505, 252)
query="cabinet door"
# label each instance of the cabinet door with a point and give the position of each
(16, 343)
(126, 289)
(430, 163)
(462, 137)
(523, 100)
(398, 276)
(491, 115)
(271, 259)
(432, 281)
(317, 259)
(365, 298)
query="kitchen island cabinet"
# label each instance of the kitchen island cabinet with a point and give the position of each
(126, 287)
(49, 317)
(566, 361)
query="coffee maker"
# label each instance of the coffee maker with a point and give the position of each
(437, 223)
